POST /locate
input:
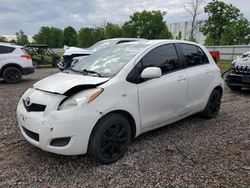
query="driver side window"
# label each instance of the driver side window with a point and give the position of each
(164, 57)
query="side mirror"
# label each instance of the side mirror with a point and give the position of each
(151, 72)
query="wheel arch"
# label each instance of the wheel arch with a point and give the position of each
(10, 65)
(125, 114)
(219, 88)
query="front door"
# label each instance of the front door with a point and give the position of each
(162, 99)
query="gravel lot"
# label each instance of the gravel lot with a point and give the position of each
(190, 153)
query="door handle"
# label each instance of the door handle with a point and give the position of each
(209, 71)
(181, 78)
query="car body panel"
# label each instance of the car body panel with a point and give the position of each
(152, 104)
(239, 73)
(14, 58)
(62, 82)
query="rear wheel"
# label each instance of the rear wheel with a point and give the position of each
(110, 139)
(12, 75)
(213, 106)
(235, 88)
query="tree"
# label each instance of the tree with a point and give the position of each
(112, 31)
(12, 41)
(21, 38)
(193, 7)
(86, 37)
(69, 36)
(99, 34)
(3, 39)
(179, 36)
(238, 32)
(51, 36)
(146, 24)
(224, 20)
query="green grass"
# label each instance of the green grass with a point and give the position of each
(224, 64)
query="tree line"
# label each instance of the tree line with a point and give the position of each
(225, 25)
(145, 24)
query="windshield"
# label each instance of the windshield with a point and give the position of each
(101, 45)
(110, 61)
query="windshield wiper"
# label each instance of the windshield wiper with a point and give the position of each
(86, 71)
(91, 72)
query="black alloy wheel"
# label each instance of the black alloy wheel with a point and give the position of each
(12, 75)
(110, 139)
(213, 105)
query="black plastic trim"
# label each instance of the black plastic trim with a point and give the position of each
(31, 134)
(60, 142)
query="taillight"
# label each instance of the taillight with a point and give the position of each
(26, 56)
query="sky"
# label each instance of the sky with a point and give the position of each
(31, 15)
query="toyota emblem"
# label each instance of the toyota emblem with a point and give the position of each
(27, 101)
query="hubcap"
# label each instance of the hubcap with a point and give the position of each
(12, 75)
(114, 141)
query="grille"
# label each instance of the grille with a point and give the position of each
(31, 134)
(242, 69)
(34, 107)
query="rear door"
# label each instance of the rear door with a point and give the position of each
(5, 52)
(162, 99)
(199, 73)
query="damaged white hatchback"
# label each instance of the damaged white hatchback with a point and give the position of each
(107, 99)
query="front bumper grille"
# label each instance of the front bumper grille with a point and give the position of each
(242, 69)
(34, 107)
(31, 134)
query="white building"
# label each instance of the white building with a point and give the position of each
(11, 37)
(185, 29)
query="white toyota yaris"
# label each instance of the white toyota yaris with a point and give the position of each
(107, 99)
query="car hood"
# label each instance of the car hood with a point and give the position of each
(75, 50)
(242, 61)
(63, 82)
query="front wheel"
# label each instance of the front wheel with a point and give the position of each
(110, 139)
(213, 106)
(12, 75)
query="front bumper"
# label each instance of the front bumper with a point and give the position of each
(240, 80)
(62, 132)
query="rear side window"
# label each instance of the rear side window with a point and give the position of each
(6, 49)
(193, 55)
(164, 57)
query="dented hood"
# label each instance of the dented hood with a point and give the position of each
(63, 82)
(75, 50)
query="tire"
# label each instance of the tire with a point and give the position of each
(110, 139)
(12, 75)
(235, 88)
(213, 106)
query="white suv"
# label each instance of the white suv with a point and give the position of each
(14, 62)
(107, 99)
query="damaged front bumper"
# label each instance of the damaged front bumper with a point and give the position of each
(64, 132)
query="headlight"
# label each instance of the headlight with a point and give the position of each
(81, 98)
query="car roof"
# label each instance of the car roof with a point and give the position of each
(124, 39)
(158, 41)
(10, 45)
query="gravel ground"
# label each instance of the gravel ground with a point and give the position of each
(190, 153)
